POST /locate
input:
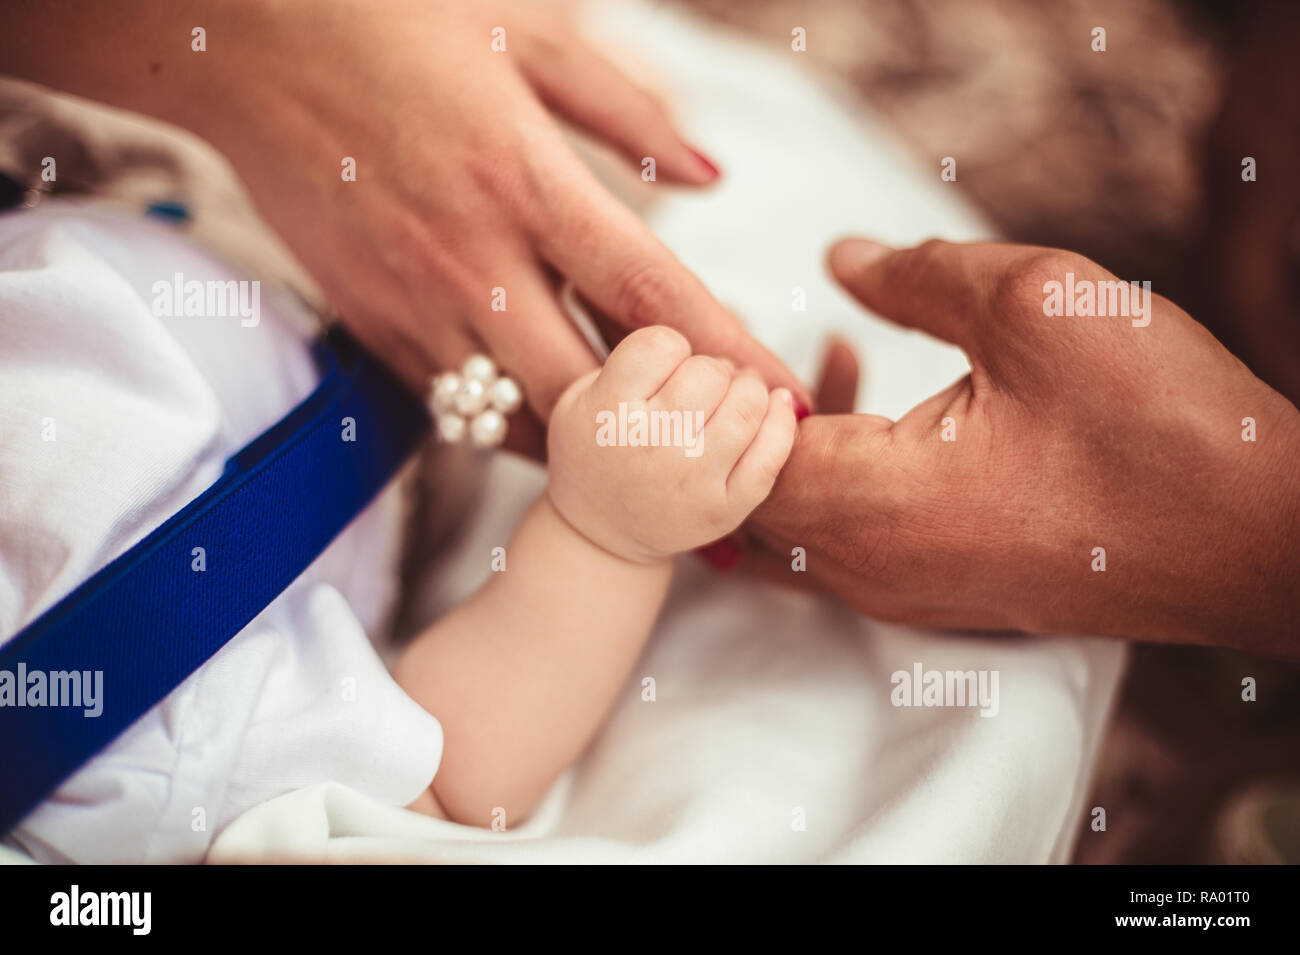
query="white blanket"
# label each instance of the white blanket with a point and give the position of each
(771, 737)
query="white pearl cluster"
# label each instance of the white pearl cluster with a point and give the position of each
(474, 400)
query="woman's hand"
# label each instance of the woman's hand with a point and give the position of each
(468, 204)
(468, 201)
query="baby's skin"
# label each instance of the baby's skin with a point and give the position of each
(658, 452)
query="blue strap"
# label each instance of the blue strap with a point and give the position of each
(149, 619)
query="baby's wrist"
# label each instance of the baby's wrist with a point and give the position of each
(605, 543)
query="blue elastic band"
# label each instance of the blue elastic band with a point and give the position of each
(149, 619)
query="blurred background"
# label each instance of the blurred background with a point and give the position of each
(1132, 157)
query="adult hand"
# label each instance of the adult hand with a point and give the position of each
(469, 201)
(990, 505)
(464, 183)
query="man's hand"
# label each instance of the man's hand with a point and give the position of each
(1091, 474)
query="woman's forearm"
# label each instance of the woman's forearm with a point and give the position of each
(140, 56)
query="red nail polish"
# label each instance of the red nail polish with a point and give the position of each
(723, 554)
(706, 162)
(800, 410)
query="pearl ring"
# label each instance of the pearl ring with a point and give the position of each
(473, 401)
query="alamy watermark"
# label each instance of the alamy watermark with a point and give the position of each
(178, 298)
(922, 687)
(636, 427)
(75, 907)
(1084, 298)
(78, 688)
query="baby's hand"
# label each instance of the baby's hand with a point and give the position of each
(661, 451)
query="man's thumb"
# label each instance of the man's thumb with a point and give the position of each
(932, 287)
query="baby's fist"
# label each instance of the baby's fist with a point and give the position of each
(661, 451)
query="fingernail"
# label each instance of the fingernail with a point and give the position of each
(800, 409)
(723, 554)
(854, 255)
(705, 163)
(783, 394)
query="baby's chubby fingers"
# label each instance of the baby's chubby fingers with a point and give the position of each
(752, 478)
(626, 445)
(732, 427)
(696, 388)
(642, 363)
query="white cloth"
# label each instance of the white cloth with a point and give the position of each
(772, 707)
(111, 419)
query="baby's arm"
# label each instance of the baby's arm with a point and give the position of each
(522, 673)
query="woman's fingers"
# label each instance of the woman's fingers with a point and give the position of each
(837, 387)
(411, 356)
(595, 95)
(622, 269)
(527, 333)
